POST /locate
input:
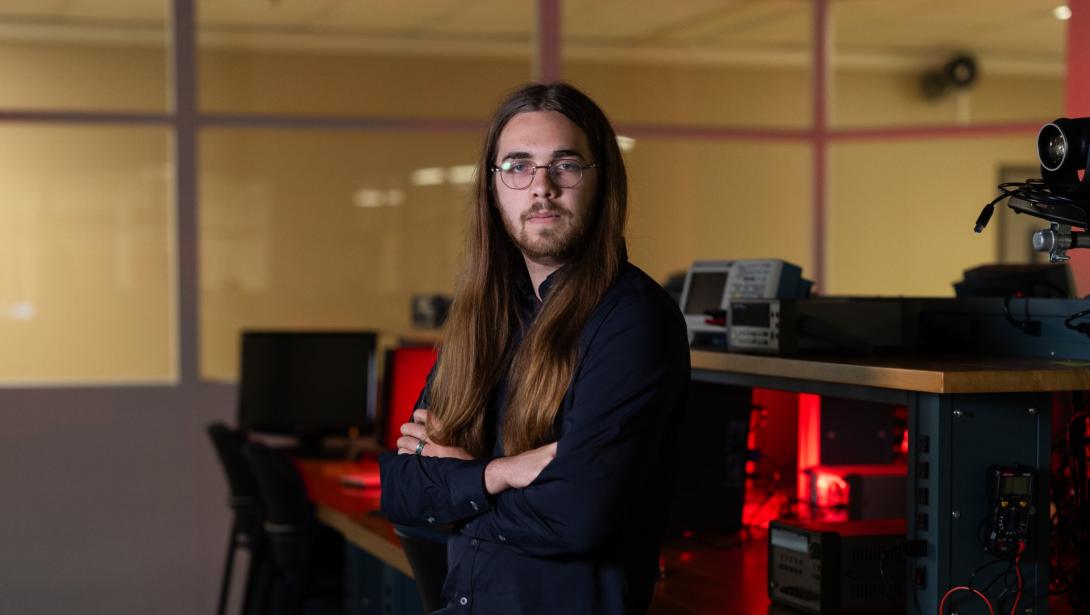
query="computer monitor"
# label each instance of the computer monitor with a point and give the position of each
(406, 373)
(307, 383)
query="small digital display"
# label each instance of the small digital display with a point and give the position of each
(705, 292)
(749, 315)
(1015, 485)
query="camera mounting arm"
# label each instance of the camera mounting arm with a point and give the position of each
(1057, 240)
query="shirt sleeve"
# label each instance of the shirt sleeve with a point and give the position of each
(431, 491)
(631, 380)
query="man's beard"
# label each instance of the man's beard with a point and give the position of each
(557, 244)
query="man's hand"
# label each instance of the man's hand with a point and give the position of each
(415, 432)
(519, 471)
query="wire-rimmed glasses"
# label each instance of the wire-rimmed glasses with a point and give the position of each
(519, 174)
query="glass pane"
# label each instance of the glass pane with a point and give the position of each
(899, 63)
(105, 55)
(886, 200)
(693, 62)
(86, 256)
(313, 229)
(705, 200)
(322, 229)
(396, 59)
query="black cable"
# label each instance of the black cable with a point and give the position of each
(1082, 327)
(972, 576)
(1032, 190)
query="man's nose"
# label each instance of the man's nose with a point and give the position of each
(541, 184)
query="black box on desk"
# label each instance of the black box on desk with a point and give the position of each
(832, 568)
(710, 476)
(858, 492)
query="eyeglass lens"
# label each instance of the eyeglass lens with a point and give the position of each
(518, 175)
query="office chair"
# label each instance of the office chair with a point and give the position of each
(246, 531)
(309, 556)
(426, 551)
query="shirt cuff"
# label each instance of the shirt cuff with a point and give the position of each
(468, 497)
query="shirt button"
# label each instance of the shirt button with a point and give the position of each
(431, 520)
(474, 542)
(473, 504)
(463, 601)
(502, 538)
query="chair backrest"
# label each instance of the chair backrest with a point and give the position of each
(280, 485)
(245, 498)
(290, 524)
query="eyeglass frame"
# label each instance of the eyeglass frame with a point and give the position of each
(535, 167)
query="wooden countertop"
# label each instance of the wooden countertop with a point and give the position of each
(926, 374)
(354, 511)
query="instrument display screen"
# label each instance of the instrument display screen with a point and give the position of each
(705, 292)
(749, 315)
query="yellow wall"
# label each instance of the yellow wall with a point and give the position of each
(900, 215)
(871, 98)
(697, 95)
(339, 84)
(86, 267)
(284, 242)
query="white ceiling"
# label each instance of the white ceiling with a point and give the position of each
(1005, 34)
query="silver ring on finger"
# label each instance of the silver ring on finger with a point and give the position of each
(420, 447)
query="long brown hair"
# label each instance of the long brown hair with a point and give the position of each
(480, 331)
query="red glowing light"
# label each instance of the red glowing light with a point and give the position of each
(407, 370)
(809, 439)
(831, 489)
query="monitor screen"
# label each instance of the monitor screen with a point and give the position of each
(705, 292)
(307, 383)
(406, 373)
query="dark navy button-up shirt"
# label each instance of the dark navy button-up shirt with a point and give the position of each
(584, 536)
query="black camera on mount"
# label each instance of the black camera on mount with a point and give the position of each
(1062, 147)
(1061, 196)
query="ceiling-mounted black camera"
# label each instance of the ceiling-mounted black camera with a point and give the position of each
(958, 73)
(1061, 196)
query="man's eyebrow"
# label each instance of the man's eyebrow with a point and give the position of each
(566, 153)
(560, 153)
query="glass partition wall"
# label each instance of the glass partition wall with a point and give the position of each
(310, 168)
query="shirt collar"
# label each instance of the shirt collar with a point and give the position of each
(547, 284)
(526, 288)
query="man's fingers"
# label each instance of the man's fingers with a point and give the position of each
(420, 415)
(408, 443)
(414, 430)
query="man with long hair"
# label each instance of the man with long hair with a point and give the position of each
(542, 439)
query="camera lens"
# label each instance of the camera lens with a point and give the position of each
(1057, 148)
(1051, 147)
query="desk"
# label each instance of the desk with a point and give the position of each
(964, 415)
(353, 511)
(724, 574)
